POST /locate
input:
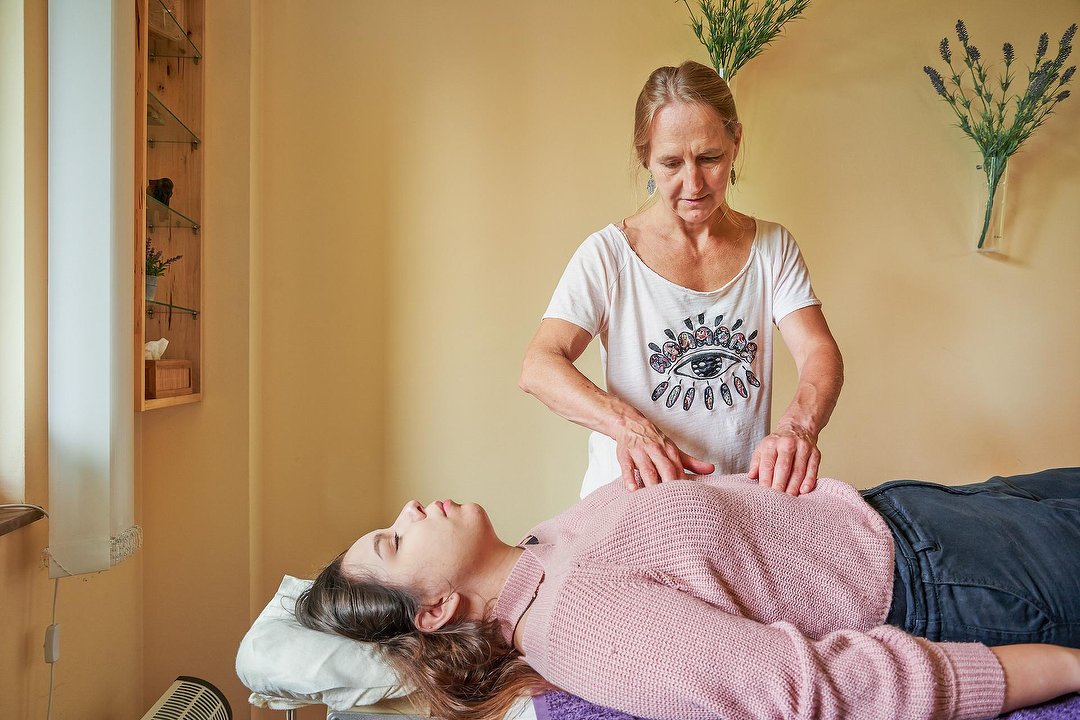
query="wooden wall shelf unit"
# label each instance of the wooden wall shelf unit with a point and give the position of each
(169, 83)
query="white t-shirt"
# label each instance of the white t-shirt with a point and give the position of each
(697, 364)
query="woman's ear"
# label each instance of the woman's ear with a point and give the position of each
(432, 617)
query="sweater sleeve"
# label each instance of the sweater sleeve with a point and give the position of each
(652, 651)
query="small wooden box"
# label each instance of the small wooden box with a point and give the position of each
(168, 378)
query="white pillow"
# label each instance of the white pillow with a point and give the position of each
(287, 665)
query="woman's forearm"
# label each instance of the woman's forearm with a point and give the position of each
(646, 455)
(1037, 673)
(556, 382)
(821, 378)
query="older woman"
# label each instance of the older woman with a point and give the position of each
(723, 599)
(683, 296)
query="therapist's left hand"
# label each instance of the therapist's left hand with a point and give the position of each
(787, 461)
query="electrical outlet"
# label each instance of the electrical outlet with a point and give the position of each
(52, 643)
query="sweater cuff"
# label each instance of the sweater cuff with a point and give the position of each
(978, 680)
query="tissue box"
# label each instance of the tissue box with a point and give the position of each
(168, 378)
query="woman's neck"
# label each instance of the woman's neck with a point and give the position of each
(503, 565)
(723, 226)
(491, 576)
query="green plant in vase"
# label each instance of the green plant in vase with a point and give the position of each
(999, 127)
(156, 265)
(734, 33)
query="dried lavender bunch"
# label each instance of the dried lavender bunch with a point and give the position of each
(736, 34)
(983, 115)
(997, 126)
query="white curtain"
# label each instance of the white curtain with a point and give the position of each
(91, 306)
(12, 255)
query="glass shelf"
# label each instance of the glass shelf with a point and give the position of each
(159, 214)
(167, 37)
(163, 126)
(169, 308)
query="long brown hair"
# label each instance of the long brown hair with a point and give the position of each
(691, 82)
(464, 670)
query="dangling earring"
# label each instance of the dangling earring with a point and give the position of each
(650, 187)
(732, 173)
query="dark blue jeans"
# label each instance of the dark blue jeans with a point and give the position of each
(995, 562)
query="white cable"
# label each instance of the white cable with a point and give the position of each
(49, 712)
(52, 666)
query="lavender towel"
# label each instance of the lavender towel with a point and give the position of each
(562, 706)
(1064, 708)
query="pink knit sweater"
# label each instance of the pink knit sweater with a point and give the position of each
(717, 598)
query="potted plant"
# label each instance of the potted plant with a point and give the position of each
(156, 265)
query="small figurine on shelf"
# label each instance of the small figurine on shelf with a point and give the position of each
(161, 190)
(156, 266)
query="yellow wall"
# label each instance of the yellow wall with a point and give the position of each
(321, 292)
(392, 192)
(195, 465)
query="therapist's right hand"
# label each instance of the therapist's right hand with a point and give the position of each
(647, 453)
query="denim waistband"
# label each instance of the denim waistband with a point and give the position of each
(904, 610)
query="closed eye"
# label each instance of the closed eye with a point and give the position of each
(397, 541)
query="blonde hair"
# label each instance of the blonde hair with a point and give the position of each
(465, 670)
(691, 82)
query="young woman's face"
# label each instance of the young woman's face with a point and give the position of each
(690, 157)
(427, 549)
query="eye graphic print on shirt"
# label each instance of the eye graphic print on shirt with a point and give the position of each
(705, 358)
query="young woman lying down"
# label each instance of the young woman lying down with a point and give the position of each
(720, 598)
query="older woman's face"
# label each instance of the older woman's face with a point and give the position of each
(690, 157)
(426, 548)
